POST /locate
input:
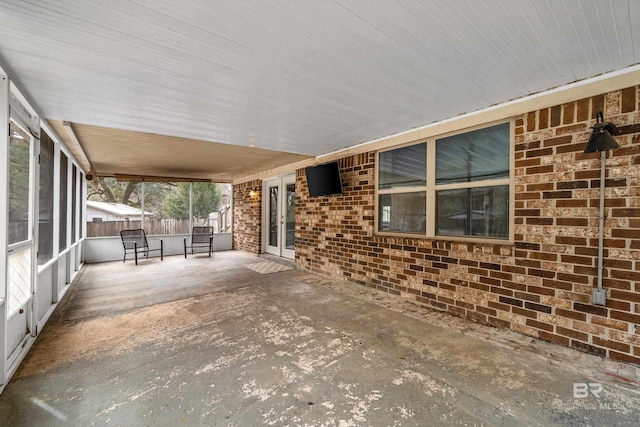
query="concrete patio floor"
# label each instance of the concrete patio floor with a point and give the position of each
(208, 341)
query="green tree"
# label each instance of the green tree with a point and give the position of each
(206, 199)
(155, 194)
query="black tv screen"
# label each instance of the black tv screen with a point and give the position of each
(324, 180)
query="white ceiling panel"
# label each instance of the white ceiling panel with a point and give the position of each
(304, 77)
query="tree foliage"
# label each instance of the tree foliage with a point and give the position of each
(206, 199)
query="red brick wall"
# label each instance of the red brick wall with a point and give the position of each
(331, 232)
(247, 216)
(539, 286)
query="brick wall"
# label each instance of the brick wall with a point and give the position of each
(539, 286)
(247, 216)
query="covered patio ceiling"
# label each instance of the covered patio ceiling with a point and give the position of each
(221, 89)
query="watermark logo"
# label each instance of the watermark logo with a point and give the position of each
(583, 390)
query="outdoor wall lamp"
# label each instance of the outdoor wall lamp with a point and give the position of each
(253, 192)
(602, 137)
(601, 141)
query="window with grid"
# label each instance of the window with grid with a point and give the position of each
(402, 197)
(457, 185)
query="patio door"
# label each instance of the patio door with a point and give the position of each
(280, 221)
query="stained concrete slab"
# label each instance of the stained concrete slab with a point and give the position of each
(211, 342)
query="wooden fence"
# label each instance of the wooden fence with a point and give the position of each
(151, 227)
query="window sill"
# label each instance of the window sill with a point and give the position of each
(440, 241)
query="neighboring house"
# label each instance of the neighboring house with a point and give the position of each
(106, 211)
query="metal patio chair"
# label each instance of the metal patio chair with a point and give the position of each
(201, 237)
(135, 241)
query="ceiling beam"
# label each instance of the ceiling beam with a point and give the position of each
(145, 178)
(82, 157)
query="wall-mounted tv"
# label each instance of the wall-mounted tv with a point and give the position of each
(324, 180)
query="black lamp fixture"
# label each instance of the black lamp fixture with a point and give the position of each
(601, 141)
(602, 137)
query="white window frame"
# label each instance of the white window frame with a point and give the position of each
(431, 189)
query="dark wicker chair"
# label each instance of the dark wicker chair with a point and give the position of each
(201, 237)
(135, 242)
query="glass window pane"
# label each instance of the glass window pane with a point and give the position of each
(480, 211)
(45, 215)
(479, 155)
(63, 201)
(403, 167)
(290, 219)
(403, 212)
(19, 143)
(273, 216)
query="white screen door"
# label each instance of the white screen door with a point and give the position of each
(20, 260)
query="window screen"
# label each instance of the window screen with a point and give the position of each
(45, 211)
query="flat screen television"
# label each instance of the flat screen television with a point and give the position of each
(324, 180)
